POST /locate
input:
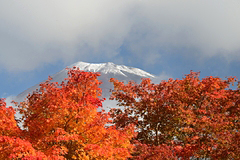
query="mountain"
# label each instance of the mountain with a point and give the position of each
(108, 70)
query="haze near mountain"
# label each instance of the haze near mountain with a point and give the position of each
(107, 70)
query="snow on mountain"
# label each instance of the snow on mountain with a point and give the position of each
(108, 70)
(110, 67)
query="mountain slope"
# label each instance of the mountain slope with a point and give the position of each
(107, 70)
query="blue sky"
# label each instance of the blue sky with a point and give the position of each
(164, 37)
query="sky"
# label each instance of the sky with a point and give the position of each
(167, 38)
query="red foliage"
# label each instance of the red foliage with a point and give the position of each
(196, 117)
(152, 152)
(61, 121)
(174, 119)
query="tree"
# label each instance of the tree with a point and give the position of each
(11, 145)
(60, 121)
(192, 117)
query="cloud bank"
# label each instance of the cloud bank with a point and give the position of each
(34, 33)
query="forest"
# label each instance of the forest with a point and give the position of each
(175, 119)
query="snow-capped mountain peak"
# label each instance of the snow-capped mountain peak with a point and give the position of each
(110, 67)
(108, 70)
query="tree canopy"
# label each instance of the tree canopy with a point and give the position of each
(60, 121)
(193, 117)
(174, 119)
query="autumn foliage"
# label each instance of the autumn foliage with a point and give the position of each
(174, 119)
(189, 117)
(60, 121)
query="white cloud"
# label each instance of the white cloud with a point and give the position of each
(160, 77)
(209, 26)
(37, 32)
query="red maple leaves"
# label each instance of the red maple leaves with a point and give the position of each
(196, 117)
(60, 121)
(170, 120)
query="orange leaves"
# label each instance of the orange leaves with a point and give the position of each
(16, 148)
(61, 122)
(173, 119)
(113, 145)
(194, 112)
(109, 143)
(8, 124)
(151, 152)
